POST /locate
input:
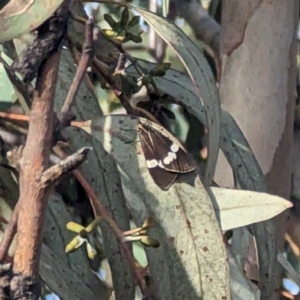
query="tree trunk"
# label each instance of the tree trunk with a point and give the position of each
(258, 53)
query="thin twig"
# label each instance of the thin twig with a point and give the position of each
(9, 234)
(172, 12)
(17, 84)
(14, 117)
(133, 110)
(76, 57)
(54, 173)
(140, 69)
(86, 58)
(107, 77)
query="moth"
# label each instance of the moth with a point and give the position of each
(165, 156)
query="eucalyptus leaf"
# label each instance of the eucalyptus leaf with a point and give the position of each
(139, 254)
(8, 95)
(201, 76)
(237, 208)
(241, 287)
(67, 275)
(191, 261)
(101, 172)
(240, 245)
(237, 151)
(233, 143)
(20, 17)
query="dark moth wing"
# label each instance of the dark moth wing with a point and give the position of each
(163, 178)
(165, 157)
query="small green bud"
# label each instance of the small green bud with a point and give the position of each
(160, 70)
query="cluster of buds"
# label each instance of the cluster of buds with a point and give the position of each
(85, 236)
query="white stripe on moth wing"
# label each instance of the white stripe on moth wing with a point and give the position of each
(167, 160)
(171, 156)
(152, 163)
(174, 147)
(160, 164)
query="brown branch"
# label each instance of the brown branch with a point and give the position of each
(35, 159)
(14, 117)
(34, 194)
(86, 58)
(54, 173)
(205, 28)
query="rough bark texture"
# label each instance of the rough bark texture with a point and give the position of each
(34, 161)
(258, 86)
(34, 194)
(258, 83)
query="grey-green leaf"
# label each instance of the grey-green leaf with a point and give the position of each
(191, 261)
(237, 208)
(8, 95)
(20, 17)
(201, 76)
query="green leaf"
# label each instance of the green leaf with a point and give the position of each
(67, 274)
(139, 254)
(160, 70)
(201, 76)
(133, 37)
(101, 172)
(8, 95)
(239, 155)
(192, 248)
(20, 17)
(241, 286)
